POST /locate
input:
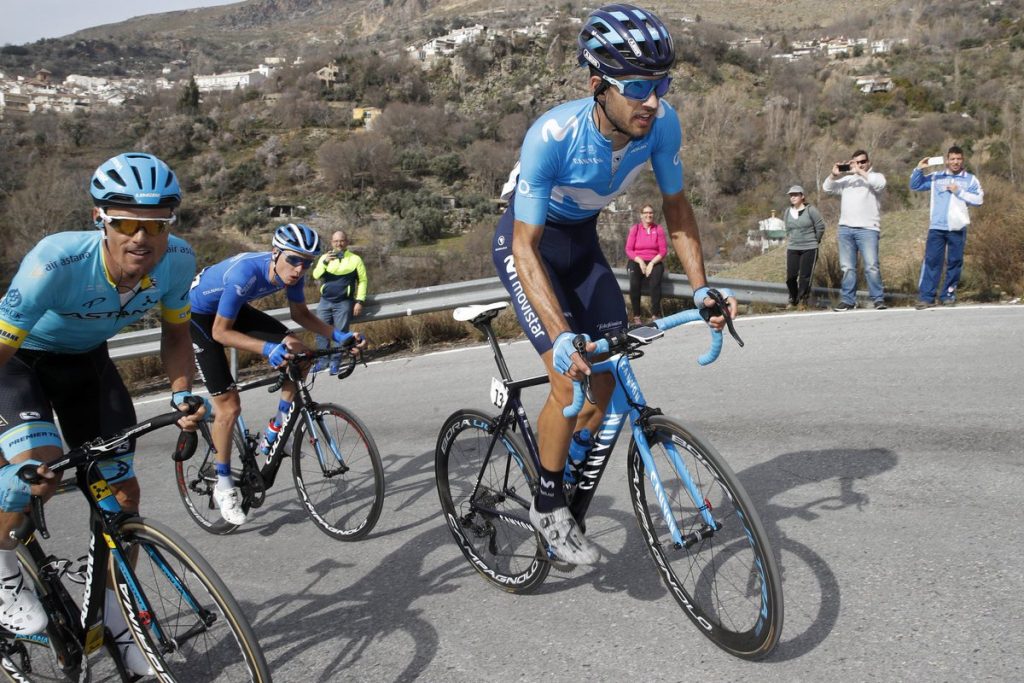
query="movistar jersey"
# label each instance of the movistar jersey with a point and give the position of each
(225, 287)
(565, 169)
(62, 298)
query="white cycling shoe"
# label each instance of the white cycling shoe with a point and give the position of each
(230, 503)
(563, 536)
(21, 612)
(131, 655)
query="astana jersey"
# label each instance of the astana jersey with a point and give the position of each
(63, 299)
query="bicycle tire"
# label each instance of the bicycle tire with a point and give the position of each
(40, 658)
(728, 584)
(505, 550)
(196, 479)
(343, 498)
(217, 643)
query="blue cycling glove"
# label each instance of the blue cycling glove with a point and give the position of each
(178, 397)
(275, 353)
(562, 351)
(339, 337)
(15, 492)
(702, 293)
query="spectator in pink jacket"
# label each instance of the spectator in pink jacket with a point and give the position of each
(646, 248)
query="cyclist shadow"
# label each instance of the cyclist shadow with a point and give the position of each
(337, 629)
(811, 611)
(811, 590)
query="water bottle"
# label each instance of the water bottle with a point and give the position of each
(269, 437)
(579, 447)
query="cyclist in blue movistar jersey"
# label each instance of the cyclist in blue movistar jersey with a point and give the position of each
(222, 318)
(575, 160)
(72, 292)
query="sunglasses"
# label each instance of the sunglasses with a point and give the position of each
(130, 226)
(640, 88)
(298, 261)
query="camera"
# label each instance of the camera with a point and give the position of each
(843, 168)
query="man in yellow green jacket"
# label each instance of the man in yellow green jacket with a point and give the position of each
(343, 288)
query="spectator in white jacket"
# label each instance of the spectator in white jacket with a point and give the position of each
(859, 188)
(953, 190)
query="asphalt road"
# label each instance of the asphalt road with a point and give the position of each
(882, 449)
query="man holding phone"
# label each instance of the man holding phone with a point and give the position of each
(343, 289)
(859, 188)
(952, 190)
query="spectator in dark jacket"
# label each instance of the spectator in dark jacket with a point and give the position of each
(804, 230)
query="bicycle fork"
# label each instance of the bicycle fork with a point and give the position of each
(710, 525)
(315, 427)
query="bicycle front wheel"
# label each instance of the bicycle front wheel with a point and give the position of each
(180, 613)
(196, 479)
(487, 506)
(724, 576)
(338, 472)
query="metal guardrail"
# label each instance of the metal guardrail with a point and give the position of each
(411, 302)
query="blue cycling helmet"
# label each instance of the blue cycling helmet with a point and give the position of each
(297, 237)
(623, 40)
(134, 179)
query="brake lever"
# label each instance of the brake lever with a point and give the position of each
(721, 307)
(580, 344)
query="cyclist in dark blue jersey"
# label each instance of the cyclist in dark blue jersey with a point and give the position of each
(222, 318)
(72, 292)
(575, 160)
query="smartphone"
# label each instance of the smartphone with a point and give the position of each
(936, 161)
(645, 334)
(843, 168)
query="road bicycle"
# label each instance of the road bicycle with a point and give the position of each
(697, 520)
(179, 613)
(336, 466)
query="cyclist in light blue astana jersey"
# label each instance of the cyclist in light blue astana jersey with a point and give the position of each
(72, 292)
(575, 160)
(222, 318)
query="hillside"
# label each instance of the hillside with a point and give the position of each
(423, 175)
(900, 250)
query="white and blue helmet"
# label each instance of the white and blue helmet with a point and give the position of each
(134, 179)
(297, 237)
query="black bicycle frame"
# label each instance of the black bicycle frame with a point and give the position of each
(597, 460)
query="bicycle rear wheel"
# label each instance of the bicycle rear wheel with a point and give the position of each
(727, 581)
(180, 613)
(196, 479)
(492, 525)
(338, 473)
(42, 657)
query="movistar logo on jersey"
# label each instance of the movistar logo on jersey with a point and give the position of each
(585, 162)
(552, 129)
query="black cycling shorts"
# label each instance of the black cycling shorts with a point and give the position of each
(83, 389)
(584, 283)
(211, 361)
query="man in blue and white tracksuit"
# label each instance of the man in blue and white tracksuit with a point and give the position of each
(953, 190)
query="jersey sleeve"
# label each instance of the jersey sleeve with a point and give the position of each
(668, 169)
(174, 304)
(538, 168)
(33, 291)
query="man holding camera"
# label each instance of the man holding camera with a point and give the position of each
(859, 189)
(952, 189)
(343, 289)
